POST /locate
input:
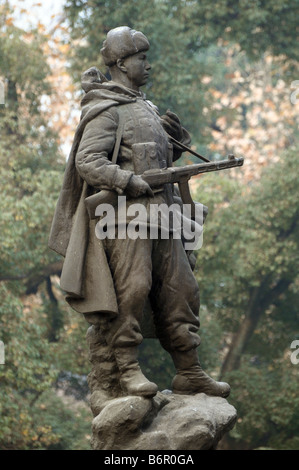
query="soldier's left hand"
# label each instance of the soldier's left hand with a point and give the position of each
(172, 125)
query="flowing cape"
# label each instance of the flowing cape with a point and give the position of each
(85, 276)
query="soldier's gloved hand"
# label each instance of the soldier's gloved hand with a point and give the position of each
(137, 187)
(172, 125)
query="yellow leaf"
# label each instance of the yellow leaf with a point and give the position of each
(64, 48)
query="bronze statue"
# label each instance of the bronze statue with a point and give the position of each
(121, 136)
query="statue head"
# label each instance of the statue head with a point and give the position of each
(123, 42)
(124, 51)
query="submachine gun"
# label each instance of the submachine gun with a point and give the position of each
(157, 178)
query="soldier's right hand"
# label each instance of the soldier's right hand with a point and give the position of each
(137, 187)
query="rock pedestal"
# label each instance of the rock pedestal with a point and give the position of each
(165, 422)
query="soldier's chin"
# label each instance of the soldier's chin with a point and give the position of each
(143, 82)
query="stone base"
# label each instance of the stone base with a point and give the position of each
(166, 422)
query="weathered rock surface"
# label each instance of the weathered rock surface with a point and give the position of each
(165, 422)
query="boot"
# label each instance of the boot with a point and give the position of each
(132, 380)
(191, 379)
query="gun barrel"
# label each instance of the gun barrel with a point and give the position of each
(175, 174)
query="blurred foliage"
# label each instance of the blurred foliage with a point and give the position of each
(248, 272)
(257, 26)
(31, 175)
(225, 67)
(69, 420)
(257, 229)
(27, 373)
(266, 398)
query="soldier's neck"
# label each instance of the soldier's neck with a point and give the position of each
(122, 79)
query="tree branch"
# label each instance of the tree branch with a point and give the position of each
(36, 278)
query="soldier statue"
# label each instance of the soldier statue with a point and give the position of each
(120, 135)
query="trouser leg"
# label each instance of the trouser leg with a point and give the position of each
(174, 297)
(131, 268)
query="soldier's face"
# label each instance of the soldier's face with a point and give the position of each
(137, 69)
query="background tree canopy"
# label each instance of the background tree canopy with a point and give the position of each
(227, 68)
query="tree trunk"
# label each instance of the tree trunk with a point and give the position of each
(240, 341)
(260, 299)
(53, 313)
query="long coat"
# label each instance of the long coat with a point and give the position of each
(86, 276)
